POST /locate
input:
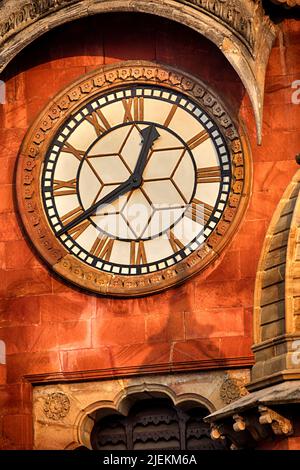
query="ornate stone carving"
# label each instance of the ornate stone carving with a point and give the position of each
(56, 406)
(216, 432)
(28, 13)
(232, 12)
(232, 389)
(281, 426)
(239, 423)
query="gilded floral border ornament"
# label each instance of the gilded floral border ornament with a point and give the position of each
(239, 28)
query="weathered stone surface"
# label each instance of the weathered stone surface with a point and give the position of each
(277, 293)
(69, 424)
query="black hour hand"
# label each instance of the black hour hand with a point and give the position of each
(149, 134)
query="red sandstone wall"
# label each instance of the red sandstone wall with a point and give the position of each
(49, 326)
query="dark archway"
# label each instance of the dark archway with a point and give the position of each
(155, 424)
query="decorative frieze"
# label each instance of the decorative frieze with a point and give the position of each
(28, 13)
(240, 15)
(234, 13)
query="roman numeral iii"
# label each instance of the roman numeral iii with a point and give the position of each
(210, 174)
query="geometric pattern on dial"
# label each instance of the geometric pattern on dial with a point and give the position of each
(161, 200)
(184, 190)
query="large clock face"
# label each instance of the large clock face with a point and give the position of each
(133, 183)
(181, 192)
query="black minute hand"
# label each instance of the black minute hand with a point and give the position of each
(149, 134)
(108, 199)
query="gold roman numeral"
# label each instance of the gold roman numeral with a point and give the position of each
(174, 242)
(199, 211)
(210, 174)
(68, 148)
(79, 229)
(198, 139)
(102, 247)
(137, 253)
(69, 185)
(99, 121)
(69, 216)
(134, 109)
(170, 115)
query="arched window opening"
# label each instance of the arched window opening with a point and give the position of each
(155, 424)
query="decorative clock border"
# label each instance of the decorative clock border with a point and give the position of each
(34, 148)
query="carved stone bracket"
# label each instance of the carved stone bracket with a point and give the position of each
(281, 426)
(239, 423)
(249, 428)
(258, 416)
(216, 432)
(238, 28)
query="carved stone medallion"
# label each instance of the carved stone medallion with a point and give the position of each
(232, 388)
(56, 406)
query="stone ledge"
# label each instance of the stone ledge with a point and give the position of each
(281, 394)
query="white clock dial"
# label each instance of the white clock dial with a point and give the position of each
(183, 178)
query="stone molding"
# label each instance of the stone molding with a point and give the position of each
(238, 28)
(92, 400)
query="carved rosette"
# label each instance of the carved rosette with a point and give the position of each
(40, 135)
(56, 406)
(232, 389)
